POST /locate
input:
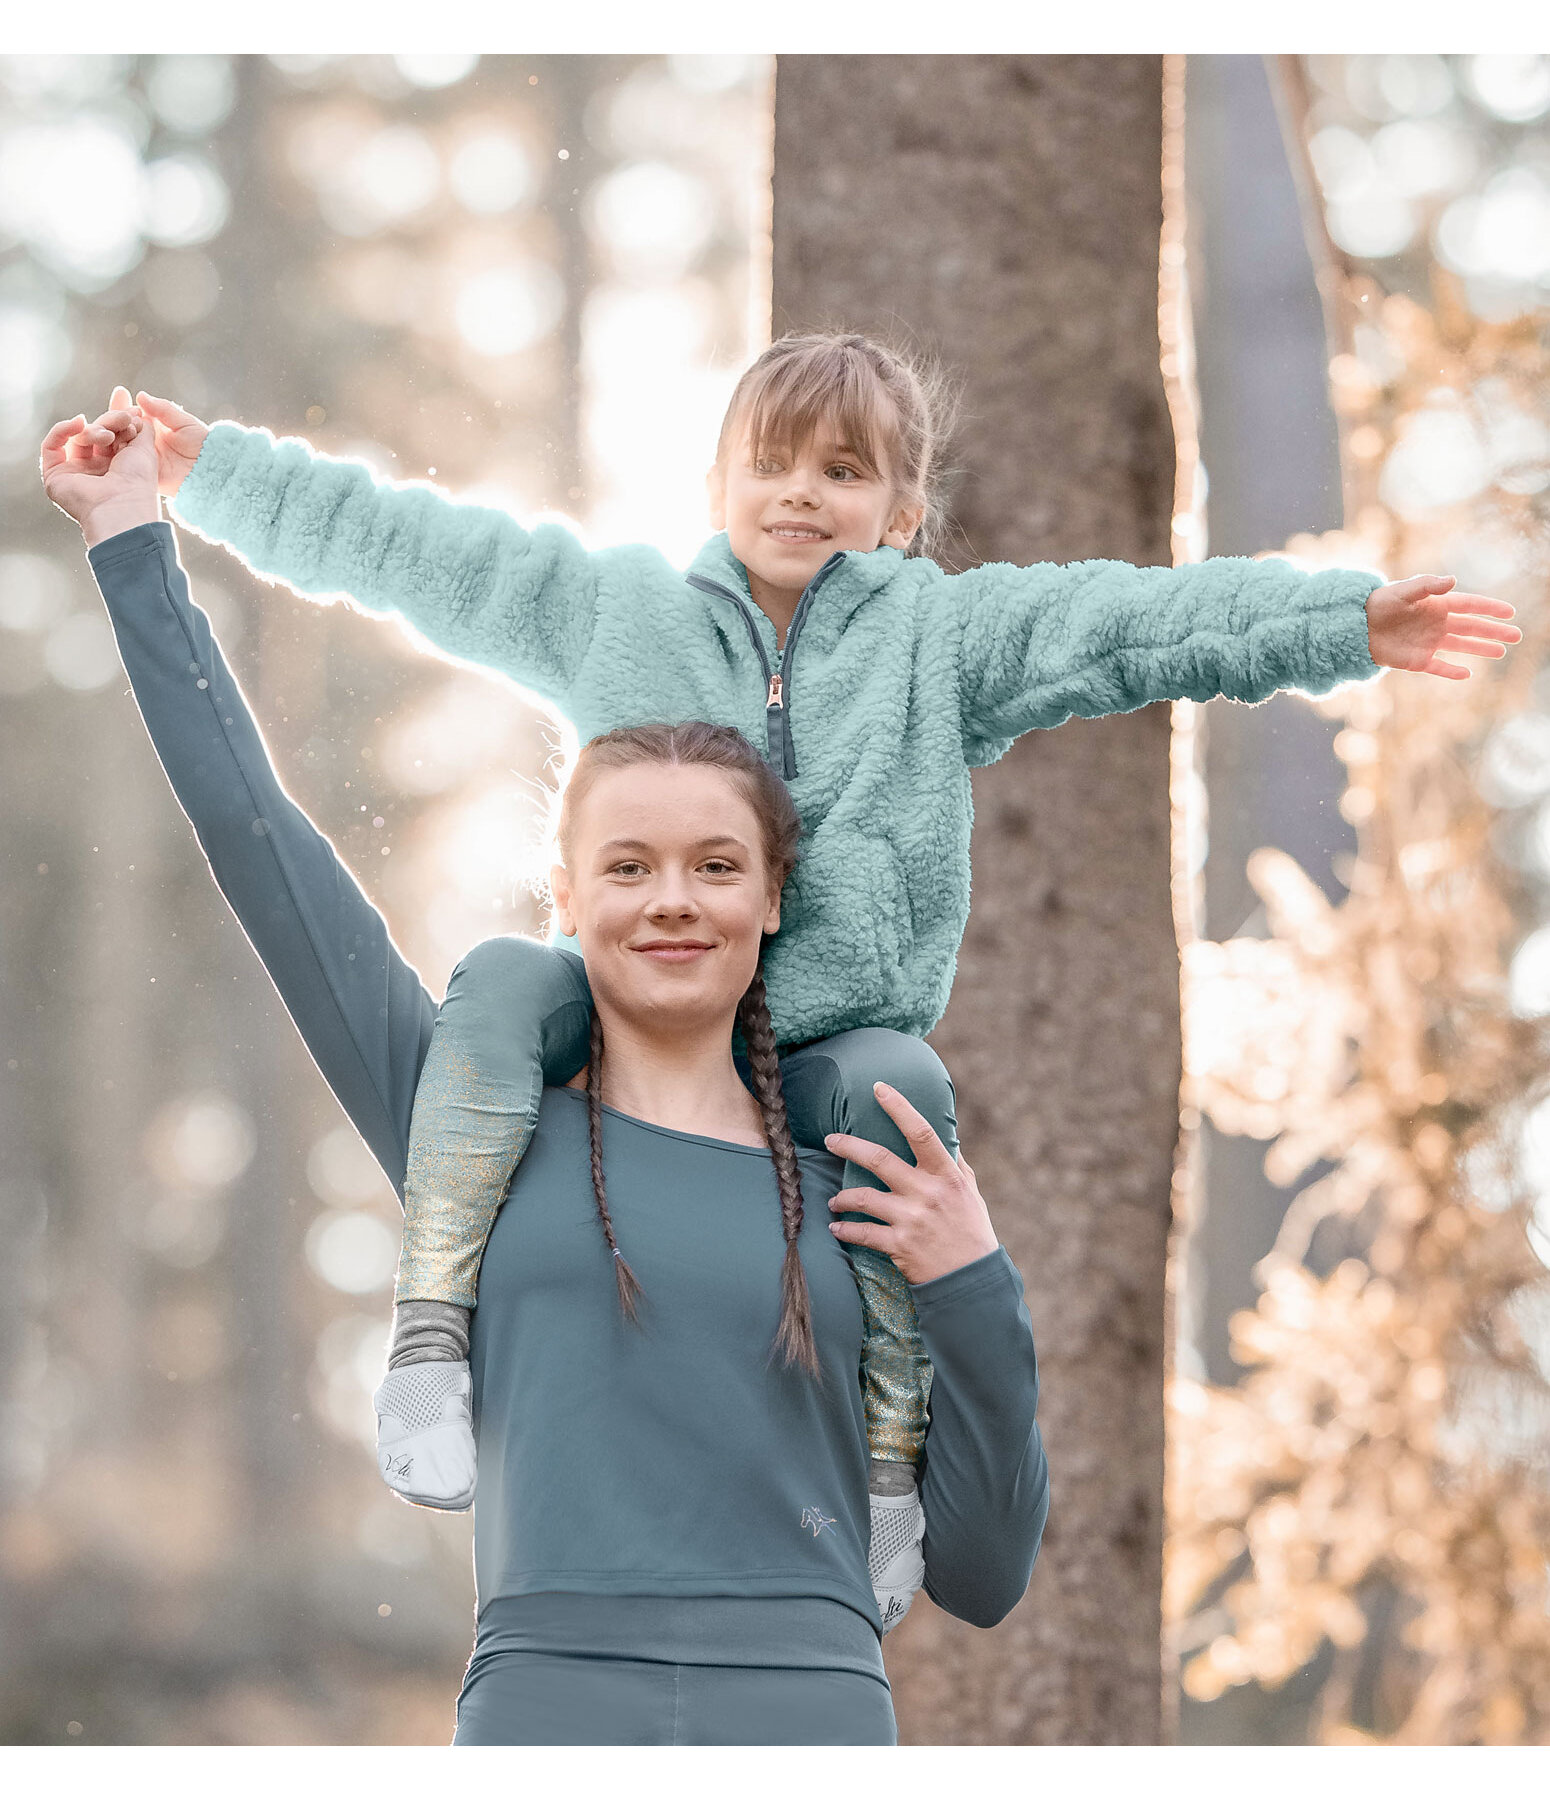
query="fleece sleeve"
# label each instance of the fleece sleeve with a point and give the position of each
(1038, 645)
(361, 1009)
(469, 578)
(985, 1489)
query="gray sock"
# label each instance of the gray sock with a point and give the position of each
(891, 1478)
(428, 1331)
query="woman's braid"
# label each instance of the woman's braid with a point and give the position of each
(629, 1287)
(795, 1337)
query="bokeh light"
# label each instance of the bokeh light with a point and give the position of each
(352, 1251)
(505, 309)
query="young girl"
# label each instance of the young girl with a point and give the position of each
(873, 681)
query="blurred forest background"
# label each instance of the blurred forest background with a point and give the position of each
(534, 280)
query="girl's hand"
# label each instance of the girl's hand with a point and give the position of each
(935, 1219)
(103, 475)
(1409, 622)
(179, 439)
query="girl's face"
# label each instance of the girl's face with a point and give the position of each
(787, 512)
(667, 891)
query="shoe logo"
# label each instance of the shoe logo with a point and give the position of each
(893, 1610)
(399, 1467)
(815, 1520)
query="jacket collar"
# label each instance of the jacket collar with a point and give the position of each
(859, 575)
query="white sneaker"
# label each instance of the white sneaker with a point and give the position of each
(425, 1434)
(895, 1561)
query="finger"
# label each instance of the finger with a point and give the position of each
(1469, 646)
(928, 1149)
(57, 436)
(1481, 606)
(1416, 585)
(869, 1237)
(1449, 671)
(881, 1162)
(867, 1200)
(165, 412)
(120, 398)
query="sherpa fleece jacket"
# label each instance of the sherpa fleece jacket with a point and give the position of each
(895, 679)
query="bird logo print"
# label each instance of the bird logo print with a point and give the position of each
(815, 1519)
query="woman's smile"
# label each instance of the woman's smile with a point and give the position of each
(673, 950)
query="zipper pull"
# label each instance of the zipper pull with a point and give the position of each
(773, 697)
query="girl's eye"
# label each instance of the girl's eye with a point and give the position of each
(766, 465)
(843, 471)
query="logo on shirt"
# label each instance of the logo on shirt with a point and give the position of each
(815, 1519)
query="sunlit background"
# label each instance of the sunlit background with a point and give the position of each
(1359, 1500)
(531, 280)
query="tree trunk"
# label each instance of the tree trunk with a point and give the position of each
(1007, 209)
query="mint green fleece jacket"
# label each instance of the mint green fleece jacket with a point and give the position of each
(895, 680)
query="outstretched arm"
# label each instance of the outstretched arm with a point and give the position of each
(361, 1009)
(470, 578)
(1038, 645)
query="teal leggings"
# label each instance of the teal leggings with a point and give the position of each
(530, 1697)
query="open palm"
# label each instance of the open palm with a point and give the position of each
(1410, 622)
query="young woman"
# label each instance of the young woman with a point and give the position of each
(672, 1531)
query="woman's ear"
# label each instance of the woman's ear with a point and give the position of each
(772, 915)
(716, 496)
(560, 890)
(903, 526)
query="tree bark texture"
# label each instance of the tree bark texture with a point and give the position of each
(1005, 212)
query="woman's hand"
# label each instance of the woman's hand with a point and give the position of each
(103, 474)
(179, 439)
(935, 1219)
(1409, 622)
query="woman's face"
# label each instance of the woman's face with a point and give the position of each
(667, 893)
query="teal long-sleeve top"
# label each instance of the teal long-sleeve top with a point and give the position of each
(895, 678)
(673, 1462)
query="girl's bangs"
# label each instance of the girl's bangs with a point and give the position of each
(798, 397)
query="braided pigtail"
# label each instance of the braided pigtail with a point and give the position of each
(629, 1287)
(795, 1337)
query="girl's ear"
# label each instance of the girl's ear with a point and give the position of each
(716, 495)
(560, 888)
(903, 526)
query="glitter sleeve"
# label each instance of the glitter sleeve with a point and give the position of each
(516, 1014)
(895, 1371)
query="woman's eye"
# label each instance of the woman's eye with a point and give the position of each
(628, 868)
(718, 867)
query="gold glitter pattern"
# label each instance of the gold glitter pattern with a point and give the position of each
(465, 1140)
(895, 1371)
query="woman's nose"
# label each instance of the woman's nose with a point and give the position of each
(671, 898)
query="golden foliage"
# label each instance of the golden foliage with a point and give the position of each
(1379, 1481)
